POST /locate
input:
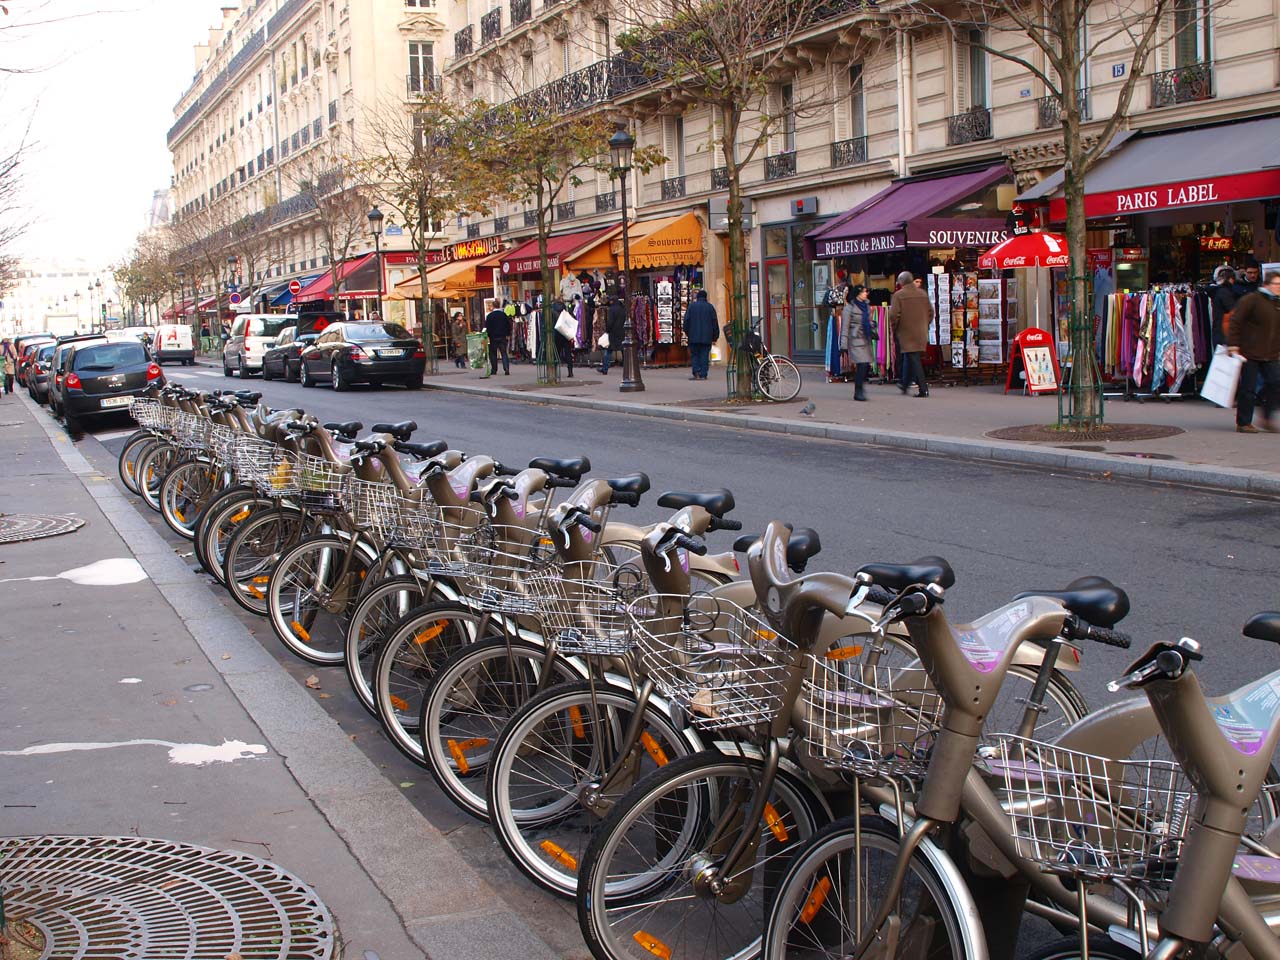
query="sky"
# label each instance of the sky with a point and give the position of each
(94, 108)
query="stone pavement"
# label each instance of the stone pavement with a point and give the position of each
(135, 704)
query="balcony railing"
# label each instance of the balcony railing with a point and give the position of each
(969, 127)
(566, 210)
(501, 224)
(491, 26)
(673, 188)
(1182, 85)
(1049, 111)
(719, 178)
(473, 230)
(521, 10)
(333, 111)
(780, 165)
(531, 218)
(462, 45)
(418, 86)
(606, 202)
(849, 153)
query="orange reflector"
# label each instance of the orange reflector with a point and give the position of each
(399, 703)
(559, 854)
(655, 751)
(774, 823)
(816, 899)
(261, 579)
(300, 631)
(766, 635)
(575, 718)
(429, 634)
(238, 517)
(844, 653)
(129, 468)
(652, 944)
(178, 514)
(254, 592)
(459, 751)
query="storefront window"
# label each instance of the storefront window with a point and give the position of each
(796, 320)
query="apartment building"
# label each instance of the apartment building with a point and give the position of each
(61, 295)
(280, 87)
(902, 144)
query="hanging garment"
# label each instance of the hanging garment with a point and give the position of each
(833, 348)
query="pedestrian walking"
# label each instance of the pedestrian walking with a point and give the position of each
(10, 359)
(458, 327)
(1254, 333)
(615, 324)
(858, 334)
(498, 326)
(564, 345)
(1224, 298)
(702, 328)
(910, 314)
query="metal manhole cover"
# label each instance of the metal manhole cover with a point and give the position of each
(1041, 433)
(17, 527)
(137, 897)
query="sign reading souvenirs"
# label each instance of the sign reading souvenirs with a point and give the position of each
(1255, 185)
(470, 249)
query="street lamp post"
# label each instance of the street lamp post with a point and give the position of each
(232, 262)
(621, 148)
(102, 311)
(77, 311)
(375, 227)
(180, 313)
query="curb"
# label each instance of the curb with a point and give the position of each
(1226, 479)
(430, 886)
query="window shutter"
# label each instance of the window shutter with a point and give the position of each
(960, 70)
(1164, 43)
(840, 116)
(776, 121)
(669, 147)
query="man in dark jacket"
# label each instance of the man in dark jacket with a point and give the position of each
(615, 329)
(910, 314)
(1224, 299)
(702, 328)
(498, 326)
(1254, 333)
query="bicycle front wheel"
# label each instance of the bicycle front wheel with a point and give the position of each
(184, 493)
(778, 379)
(374, 615)
(643, 891)
(219, 523)
(835, 885)
(254, 551)
(311, 593)
(127, 463)
(153, 466)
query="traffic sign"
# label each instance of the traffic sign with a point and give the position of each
(295, 286)
(235, 299)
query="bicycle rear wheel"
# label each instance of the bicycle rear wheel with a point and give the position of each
(153, 466)
(375, 614)
(127, 463)
(219, 523)
(185, 492)
(778, 379)
(311, 593)
(254, 551)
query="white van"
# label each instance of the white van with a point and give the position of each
(252, 335)
(173, 341)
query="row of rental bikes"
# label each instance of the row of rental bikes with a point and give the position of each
(726, 755)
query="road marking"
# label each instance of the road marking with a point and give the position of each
(196, 373)
(115, 434)
(187, 754)
(105, 573)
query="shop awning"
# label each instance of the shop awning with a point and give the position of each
(184, 308)
(669, 242)
(524, 259)
(1228, 163)
(321, 288)
(209, 304)
(279, 295)
(600, 255)
(450, 279)
(361, 281)
(903, 214)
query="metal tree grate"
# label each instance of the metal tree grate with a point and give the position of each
(18, 527)
(100, 897)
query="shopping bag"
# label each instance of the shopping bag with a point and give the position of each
(603, 342)
(478, 350)
(567, 325)
(1222, 379)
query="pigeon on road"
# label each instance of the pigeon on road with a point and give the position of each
(807, 409)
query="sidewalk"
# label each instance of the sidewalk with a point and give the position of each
(953, 421)
(133, 703)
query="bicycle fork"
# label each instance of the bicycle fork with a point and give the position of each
(907, 847)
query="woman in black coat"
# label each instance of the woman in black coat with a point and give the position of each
(614, 327)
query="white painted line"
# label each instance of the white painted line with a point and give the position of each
(188, 754)
(114, 434)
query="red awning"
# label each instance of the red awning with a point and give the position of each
(525, 261)
(321, 288)
(209, 304)
(1027, 250)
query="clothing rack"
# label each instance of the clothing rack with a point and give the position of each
(1156, 340)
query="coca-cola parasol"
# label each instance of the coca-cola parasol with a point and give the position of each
(1027, 250)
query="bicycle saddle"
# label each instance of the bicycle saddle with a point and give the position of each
(716, 503)
(636, 483)
(348, 429)
(804, 545)
(401, 431)
(899, 576)
(422, 451)
(1094, 599)
(1264, 626)
(572, 469)
(247, 398)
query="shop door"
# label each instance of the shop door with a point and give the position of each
(778, 296)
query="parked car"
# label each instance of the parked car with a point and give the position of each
(173, 341)
(102, 376)
(27, 351)
(376, 353)
(58, 365)
(251, 336)
(38, 373)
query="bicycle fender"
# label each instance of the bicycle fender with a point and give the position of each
(617, 532)
(690, 734)
(732, 748)
(719, 563)
(1114, 731)
(975, 938)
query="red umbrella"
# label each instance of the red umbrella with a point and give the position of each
(1027, 250)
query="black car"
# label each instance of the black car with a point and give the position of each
(38, 373)
(357, 352)
(102, 376)
(282, 360)
(60, 363)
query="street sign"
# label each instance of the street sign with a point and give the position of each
(235, 299)
(295, 286)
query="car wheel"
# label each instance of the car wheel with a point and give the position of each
(304, 374)
(413, 383)
(266, 372)
(242, 369)
(289, 378)
(336, 380)
(226, 370)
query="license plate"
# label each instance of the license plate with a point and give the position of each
(115, 401)
(389, 353)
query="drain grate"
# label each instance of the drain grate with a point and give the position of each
(136, 897)
(17, 527)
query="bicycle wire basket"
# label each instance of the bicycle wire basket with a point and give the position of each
(723, 664)
(1091, 816)
(395, 518)
(191, 431)
(323, 486)
(870, 719)
(147, 412)
(266, 465)
(496, 562)
(220, 440)
(583, 606)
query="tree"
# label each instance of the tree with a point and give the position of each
(1065, 35)
(416, 160)
(201, 244)
(329, 184)
(730, 55)
(250, 240)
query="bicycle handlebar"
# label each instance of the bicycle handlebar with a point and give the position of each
(724, 523)
(1078, 629)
